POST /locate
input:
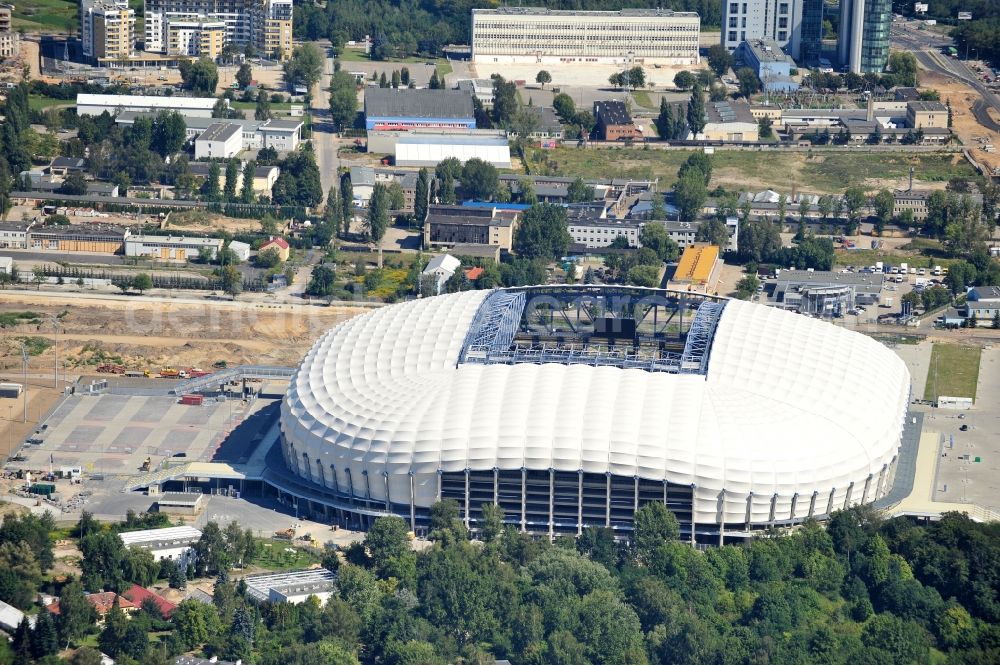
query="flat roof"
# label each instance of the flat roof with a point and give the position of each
(697, 263)
(829, 277)
(79, 230)
(282, 125)
(192, 122)
(220, 132)
(425, 103)
(449, 139)
(926, 107)
(174, 240)
(155, 536)
(726, 112)
(172, 102)
(180, 498)
(767, 51)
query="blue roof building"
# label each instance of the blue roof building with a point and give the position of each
(773, 66)
(403, 109)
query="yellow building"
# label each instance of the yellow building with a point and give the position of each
(698, 266)
(113, 32)
(277, 38)
(196, 37)
(921, 115)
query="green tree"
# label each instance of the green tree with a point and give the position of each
(343, 100)
(542, 232)
(347, 199)
(684, 80)
(903, 66)
(44, 638)
(232, 281)
(543, 77)
(421, 196)
(321, 283)
(654, 526)
(76, 614)
(749, 83)
(244, 75)
(232, 175)
(883, 202)
(169, 132)
(333, 213)
(696, 110)
(305, 66)
(505, 102)
(480, 180)
(112, 638)
(247, 194)
(210, 190)
(854, 201)
(492, 523)
(200, 77)
(655, 237)
(579, 192)
(377, 220)
(564, 107)
(388, 544)
(262, 111)
(690, 194)
(719, 59)
(74, 184)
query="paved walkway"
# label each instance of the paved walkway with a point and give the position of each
(920, 502)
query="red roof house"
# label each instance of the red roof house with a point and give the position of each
(472, 274)
(138, 596)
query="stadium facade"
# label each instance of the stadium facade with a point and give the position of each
(573, 406)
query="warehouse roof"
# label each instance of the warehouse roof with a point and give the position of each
(285, 126)
(542, 11)
(697, 263)
(926, 107)
(409, 103)
(171, 102)
(727, 112)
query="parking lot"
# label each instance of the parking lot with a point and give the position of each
(114, 434)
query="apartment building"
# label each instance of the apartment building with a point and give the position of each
(200, 38)
(627, 36)
(796, 25)
(264, 24)
(10, 41)
(107, 29)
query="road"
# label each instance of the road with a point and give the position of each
(325, 140)
(926, 47)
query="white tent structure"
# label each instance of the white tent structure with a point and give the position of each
(422, 149)
(778, 417)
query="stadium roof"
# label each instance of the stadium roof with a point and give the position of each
(411, 103)
(768, 402)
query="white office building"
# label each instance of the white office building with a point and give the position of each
(171, 248)
(220, 141)
(173, 542)
(543, 36)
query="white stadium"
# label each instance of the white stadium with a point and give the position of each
(572, 406)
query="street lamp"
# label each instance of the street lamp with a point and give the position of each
(24, 373)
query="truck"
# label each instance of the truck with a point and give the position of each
(10, 389)
(937, 271)
(137, 373)
(197, 372)
(171, 373)
(146, 464)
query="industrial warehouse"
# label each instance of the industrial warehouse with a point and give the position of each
(572, 406)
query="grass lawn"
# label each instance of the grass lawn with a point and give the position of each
(274, 556)
(954, 371)
(357, 55)
(641, 98)
(443, 68)
(818, 172)
(46, 16)
(39, 102)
